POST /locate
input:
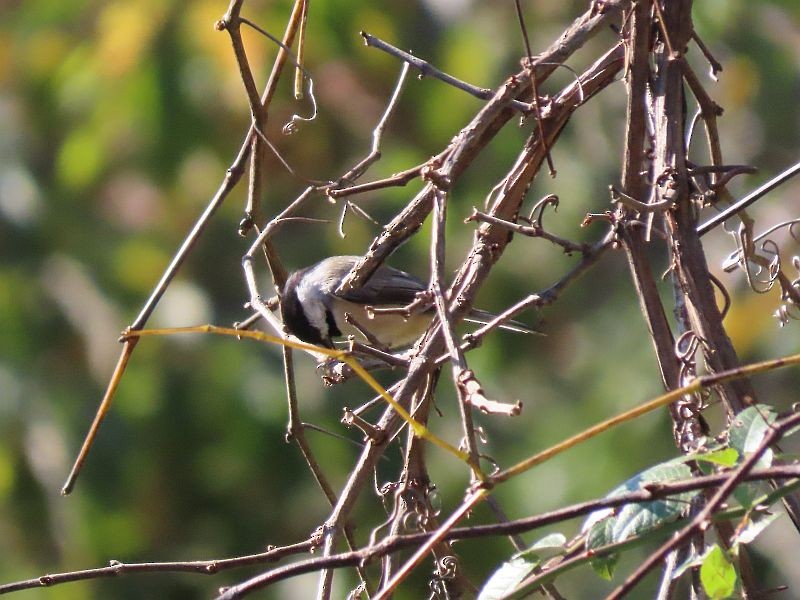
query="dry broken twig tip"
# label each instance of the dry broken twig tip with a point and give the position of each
(475, 396)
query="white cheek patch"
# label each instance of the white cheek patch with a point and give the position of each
(313, 308)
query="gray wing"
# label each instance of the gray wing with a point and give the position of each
(387, 286)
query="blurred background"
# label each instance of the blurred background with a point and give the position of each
(117, 123)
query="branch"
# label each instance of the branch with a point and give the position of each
(394, 544)
(425, 69)
(202, 567)
(476, 135)
(528, 230)
(752, 197)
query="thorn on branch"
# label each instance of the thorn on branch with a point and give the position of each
(254, 318)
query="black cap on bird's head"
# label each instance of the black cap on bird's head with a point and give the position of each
(295, 318)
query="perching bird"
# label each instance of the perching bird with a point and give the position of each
(314, 313)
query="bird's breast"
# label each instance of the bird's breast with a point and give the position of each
(391, 330)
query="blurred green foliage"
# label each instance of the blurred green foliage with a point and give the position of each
(117, 122)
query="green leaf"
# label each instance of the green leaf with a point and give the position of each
(747, 493)
(554, 540)
(747, 431)
(635, 519)
(549, 545)
(727, 457)
(600, 534)
(505, 579)
(717, 574)
(604, 565)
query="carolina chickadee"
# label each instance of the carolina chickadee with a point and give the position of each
(314, 313)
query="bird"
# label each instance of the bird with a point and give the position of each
(313, 312)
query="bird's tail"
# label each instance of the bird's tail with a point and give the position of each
(483, 317)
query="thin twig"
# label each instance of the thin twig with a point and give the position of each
(534, 86)
(699, 383)
(540, 299)
(231, 22)
(528, 230)
(715, 65)
(284, 53)
(756, 194)
(377, 133)
(459, 363)
(307, 180)
(301, 46)
(397, 180)
(387, 357)
(665, 31)
(231, 179)
(202, 567)
(437, 536)
(426, 69)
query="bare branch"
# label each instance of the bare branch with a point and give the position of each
(426, 69)
(756, 194)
